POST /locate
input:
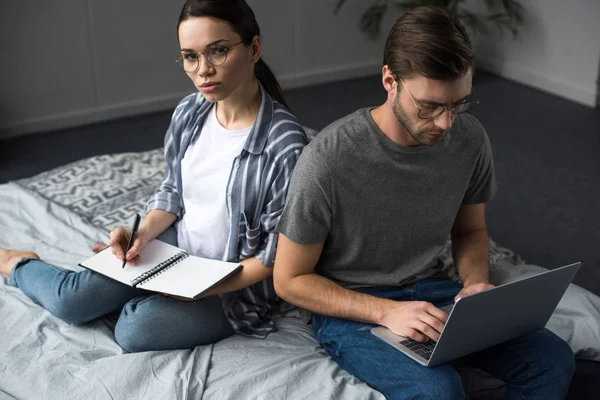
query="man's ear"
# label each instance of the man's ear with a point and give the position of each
(389, 81)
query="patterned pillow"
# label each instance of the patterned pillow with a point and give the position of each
(107, 190)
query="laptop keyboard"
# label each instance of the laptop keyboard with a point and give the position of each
(422, 349)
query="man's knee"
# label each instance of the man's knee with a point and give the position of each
(560, 360)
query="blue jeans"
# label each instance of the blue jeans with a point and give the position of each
(536, 366)
(147, 320)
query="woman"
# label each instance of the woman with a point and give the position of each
(230, 151)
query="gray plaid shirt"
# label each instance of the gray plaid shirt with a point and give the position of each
(256, 194)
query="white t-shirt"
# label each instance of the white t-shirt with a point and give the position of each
(205, 170)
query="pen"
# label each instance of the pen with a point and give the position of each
(136, 224)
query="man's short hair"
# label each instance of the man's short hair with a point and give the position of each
(428, 41)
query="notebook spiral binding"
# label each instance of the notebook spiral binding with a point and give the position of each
(159, 269)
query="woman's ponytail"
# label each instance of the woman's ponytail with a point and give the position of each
(265, 76)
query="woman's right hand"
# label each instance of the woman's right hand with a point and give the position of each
(119, 238)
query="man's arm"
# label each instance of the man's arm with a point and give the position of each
(296, 281)
(470, 249)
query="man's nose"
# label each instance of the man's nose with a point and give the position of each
(444, 120)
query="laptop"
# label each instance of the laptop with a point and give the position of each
(489, 318)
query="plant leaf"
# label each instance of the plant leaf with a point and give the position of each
(504, 14)
(339, 5)
(370, 21)
(473, 21)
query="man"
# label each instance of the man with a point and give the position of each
(371, 204)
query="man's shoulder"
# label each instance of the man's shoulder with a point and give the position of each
(340, 133)
(470, 131)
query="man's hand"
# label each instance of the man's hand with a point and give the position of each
(418, 320)
(472, 289)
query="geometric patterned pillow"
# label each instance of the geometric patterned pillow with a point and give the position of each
(106, 190)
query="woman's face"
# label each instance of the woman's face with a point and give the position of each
(202, 36)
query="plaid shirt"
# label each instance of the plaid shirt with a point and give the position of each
(256, 193)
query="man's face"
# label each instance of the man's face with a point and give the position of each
(428, 93)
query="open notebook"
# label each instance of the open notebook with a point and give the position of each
(164, 268)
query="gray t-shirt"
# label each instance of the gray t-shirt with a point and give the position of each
(384, 211)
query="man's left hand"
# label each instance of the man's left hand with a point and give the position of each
(472, 289)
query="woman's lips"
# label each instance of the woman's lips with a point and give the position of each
(211, 87)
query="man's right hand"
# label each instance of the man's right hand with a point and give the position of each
(119, 238)
(418, 320)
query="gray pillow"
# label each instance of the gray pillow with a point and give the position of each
(576, 318)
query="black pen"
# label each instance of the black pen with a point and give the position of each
(136, 224)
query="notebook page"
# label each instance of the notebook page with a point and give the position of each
(107, 264)
(191, 277)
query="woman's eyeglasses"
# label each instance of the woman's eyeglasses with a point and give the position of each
(216, 55)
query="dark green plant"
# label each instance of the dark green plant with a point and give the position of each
(504, 14)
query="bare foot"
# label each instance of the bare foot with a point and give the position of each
(10, 258)
(98, 247)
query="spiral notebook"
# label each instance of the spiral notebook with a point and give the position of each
(164, 268)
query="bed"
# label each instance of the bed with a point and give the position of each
(60, 213)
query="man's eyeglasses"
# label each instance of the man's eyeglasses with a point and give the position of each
(216, 55)
(431, 112)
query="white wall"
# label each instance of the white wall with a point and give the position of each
(69, 62)
(557, 49)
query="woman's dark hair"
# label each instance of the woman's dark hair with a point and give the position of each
(428, 41)
(239, 15)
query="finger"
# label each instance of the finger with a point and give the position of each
(460, 295)
(121, 236)
(135, 249)
(115, 242)
(427, 330)
(415, 335)
(135, 260)
(436, 312)
(433, 322)
(468, 291)
(117, 234)
(117, 250)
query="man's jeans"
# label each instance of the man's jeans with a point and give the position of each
(147, 320)
(536, 366)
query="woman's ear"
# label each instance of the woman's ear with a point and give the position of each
(255, 49)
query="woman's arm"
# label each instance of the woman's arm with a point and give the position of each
(254, 271)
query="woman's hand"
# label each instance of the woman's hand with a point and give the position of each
(119, 238)
(155, 222)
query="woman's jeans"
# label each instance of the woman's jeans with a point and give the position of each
(147, 321)
(536, 366)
